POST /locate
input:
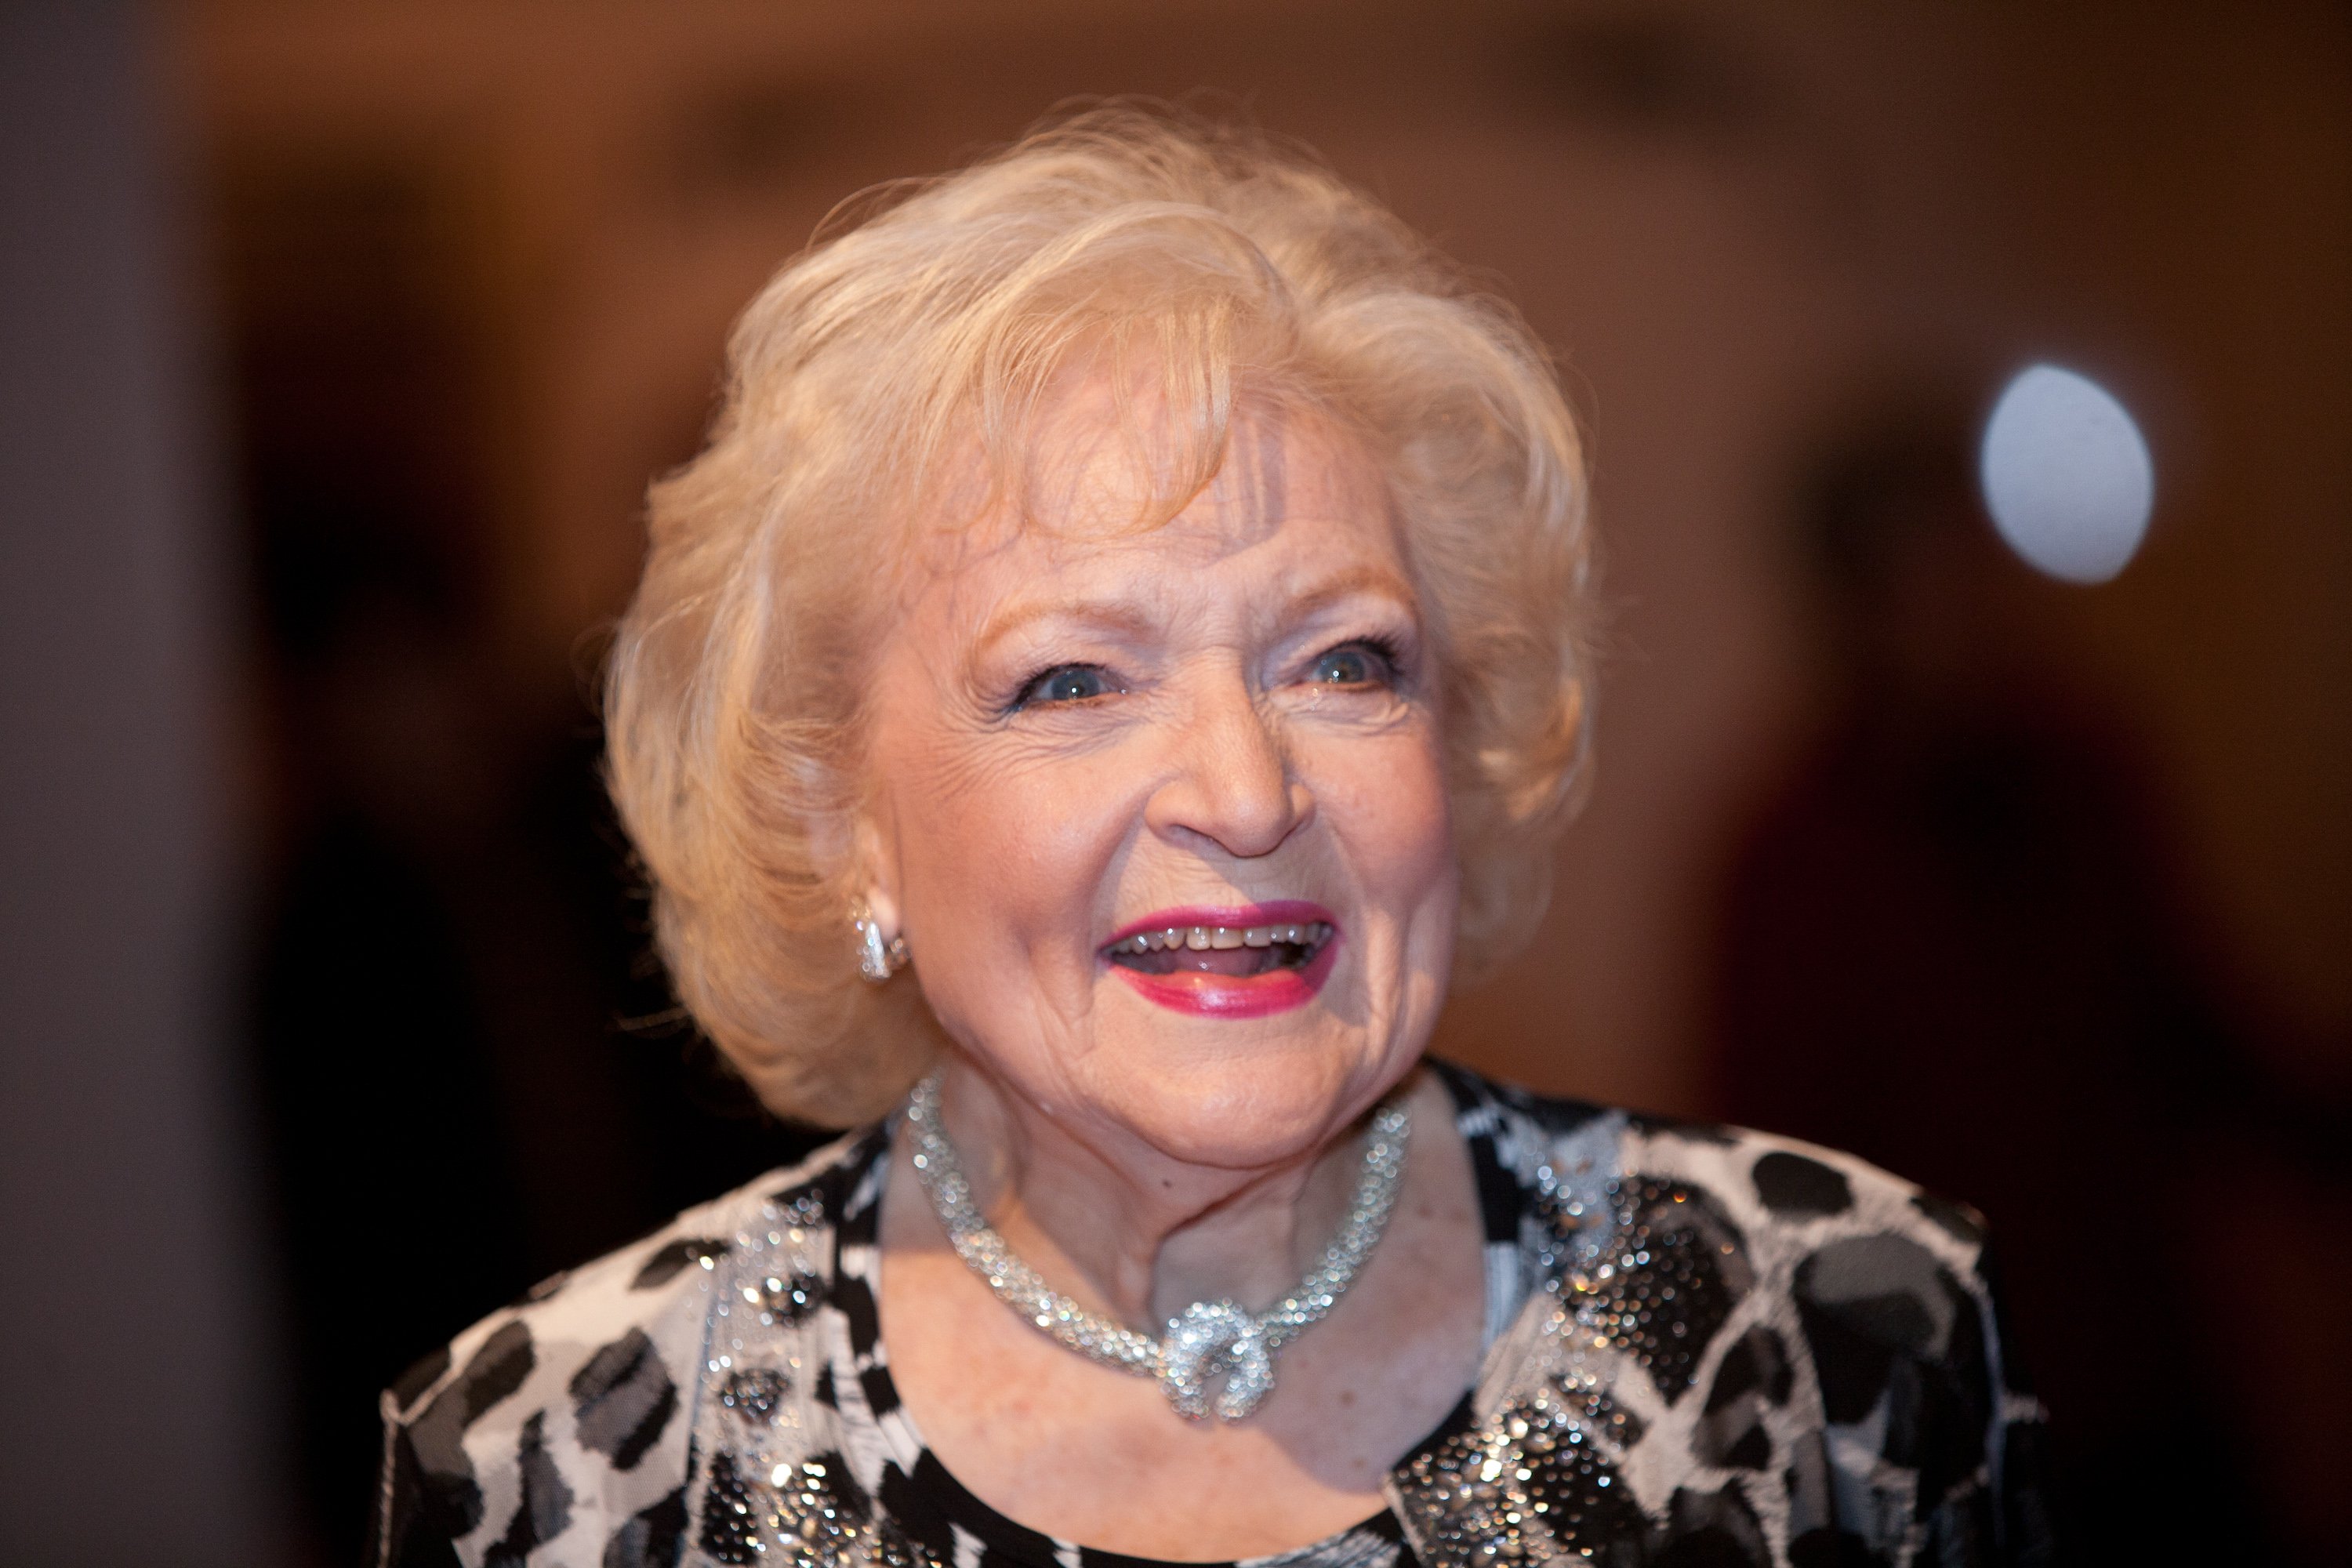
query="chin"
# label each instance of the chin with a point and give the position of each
(1247, 1097)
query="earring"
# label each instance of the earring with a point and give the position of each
(879, 957)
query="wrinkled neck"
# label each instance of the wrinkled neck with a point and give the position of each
(1127, 1230)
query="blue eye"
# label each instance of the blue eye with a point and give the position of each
(1353, 664)
(1065, 683)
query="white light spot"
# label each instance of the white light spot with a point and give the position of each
(2066, 475)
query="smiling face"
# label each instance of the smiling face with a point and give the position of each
(1161, 813)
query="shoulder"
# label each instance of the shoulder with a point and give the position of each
(1819, 1330)
(1861, 1271)
(1771, 1198)
(569, 1414)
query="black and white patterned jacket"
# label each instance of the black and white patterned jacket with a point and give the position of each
(1704, 1346)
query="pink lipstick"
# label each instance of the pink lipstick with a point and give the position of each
(1244, 961)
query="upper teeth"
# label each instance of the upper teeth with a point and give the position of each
(1312, 934)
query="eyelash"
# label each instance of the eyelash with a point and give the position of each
(1382, 647)
(1023, 697)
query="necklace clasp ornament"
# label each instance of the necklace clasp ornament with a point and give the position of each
(1214, 1337)
(1207, 1339)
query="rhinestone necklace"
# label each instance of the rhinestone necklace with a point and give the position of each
(1208, 1338)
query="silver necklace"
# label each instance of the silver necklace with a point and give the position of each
(1208, 1338)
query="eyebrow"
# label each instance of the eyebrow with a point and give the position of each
(1376, 582)
(1125, 617)
(1116, 617)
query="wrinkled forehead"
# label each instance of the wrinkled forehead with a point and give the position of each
(1095, 469)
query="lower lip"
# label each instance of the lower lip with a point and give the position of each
(1232, 996)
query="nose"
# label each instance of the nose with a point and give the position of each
(1229, 781)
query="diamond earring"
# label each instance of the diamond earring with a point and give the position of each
(879, 957)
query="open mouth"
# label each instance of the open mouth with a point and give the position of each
(1233, 962)
(1240, 951)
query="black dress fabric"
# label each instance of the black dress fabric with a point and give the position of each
(1704, 1346)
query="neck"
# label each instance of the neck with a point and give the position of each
(1129, 1231)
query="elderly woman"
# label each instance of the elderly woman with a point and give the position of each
(1115, 665)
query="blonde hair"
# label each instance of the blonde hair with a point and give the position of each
(1216, 267)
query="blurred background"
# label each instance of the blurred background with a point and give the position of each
(339, 342)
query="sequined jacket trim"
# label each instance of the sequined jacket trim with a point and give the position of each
(1705, 1345)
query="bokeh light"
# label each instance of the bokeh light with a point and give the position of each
(2067, 475)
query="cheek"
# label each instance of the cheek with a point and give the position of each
(1000, 860)
(1391, 810)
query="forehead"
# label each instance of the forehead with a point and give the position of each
(1294, 495)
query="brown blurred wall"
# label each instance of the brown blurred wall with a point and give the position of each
(1719, 217)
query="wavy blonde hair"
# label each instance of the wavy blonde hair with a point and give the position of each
(1208, 265)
